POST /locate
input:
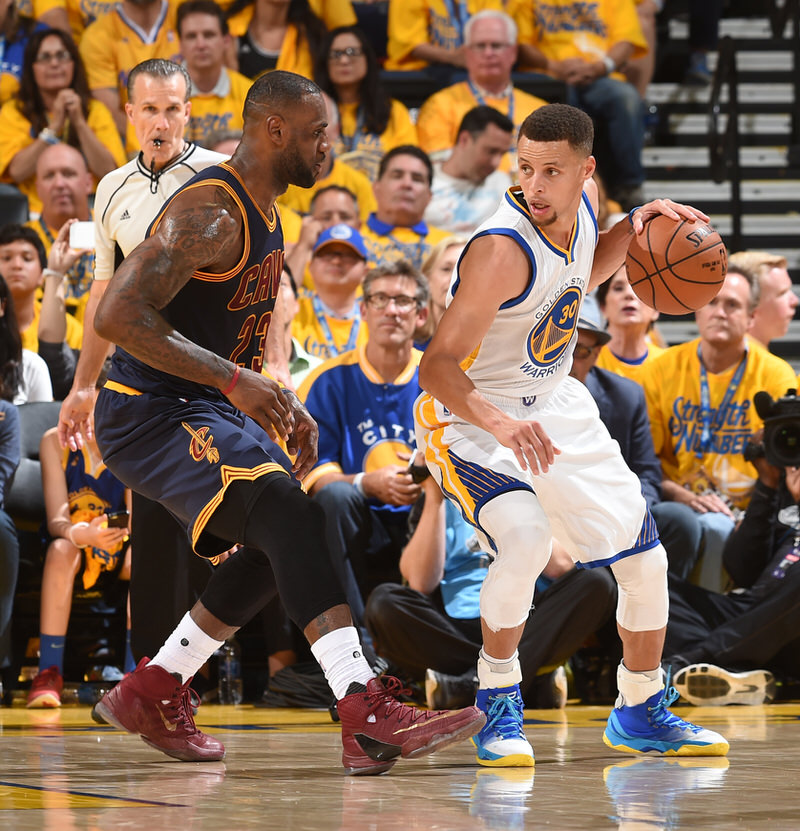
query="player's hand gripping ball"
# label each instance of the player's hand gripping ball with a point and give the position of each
(676, 267)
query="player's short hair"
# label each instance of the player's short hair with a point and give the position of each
(400, 268)
(476, 120)
(560, 122)
(208, 7)
(21, 233)
(406, 150)
(159, 68)
(279, 90)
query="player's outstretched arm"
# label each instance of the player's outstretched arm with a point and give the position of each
(493, 270)
(612, 245)
(200, 230)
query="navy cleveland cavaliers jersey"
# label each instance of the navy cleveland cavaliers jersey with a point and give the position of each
(229, 313)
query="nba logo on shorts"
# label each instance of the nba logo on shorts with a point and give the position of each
(549, 340)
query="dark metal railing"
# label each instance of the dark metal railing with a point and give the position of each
(723, 145)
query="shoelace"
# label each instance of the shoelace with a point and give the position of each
(179, 709)
(393, 687)
(662, 716)
(504, 716)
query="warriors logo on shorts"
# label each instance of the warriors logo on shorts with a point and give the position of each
(549, 340)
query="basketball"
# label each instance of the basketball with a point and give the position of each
(676, 267)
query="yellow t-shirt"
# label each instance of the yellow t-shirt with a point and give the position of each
(364, 151)
(634, 370)
(111, 47)
(215, 113)
(80, 13)
(333, 13)
(291, 223)
(571, 28)
(329, 338)
(299, 199)
(440, 116)
(30, 337)
(387, 245)
(414, 22)
(15, 135)
(672, 390)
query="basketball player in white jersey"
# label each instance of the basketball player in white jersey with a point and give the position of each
(519, 446)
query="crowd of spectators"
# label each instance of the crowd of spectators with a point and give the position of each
(370, 250)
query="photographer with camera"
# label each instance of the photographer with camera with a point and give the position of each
(699, 399)
(752, 632)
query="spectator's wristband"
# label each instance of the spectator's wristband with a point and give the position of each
(48, 136)
(51, 272)
(609, 64)
(358, 483)
(71, 533)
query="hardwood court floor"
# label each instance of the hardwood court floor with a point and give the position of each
(61, 772)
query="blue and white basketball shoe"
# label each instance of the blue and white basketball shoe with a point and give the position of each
(502, 741)
(652, 728)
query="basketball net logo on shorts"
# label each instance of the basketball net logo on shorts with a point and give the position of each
(549, 339)
(200, 447)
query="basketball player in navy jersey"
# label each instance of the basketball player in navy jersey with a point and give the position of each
(184, 419)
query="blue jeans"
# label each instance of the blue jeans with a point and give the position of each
(9, 566)
(618, 109)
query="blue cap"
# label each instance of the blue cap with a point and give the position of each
(591, 320)
(344, 235)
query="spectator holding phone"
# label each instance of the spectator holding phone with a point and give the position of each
(88, 520)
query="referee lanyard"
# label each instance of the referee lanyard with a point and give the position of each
(322, 317)
(705, 401)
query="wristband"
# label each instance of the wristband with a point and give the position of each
(71, 533)
(631, 212)
(48, 136)
(358, 483)
(234, 380)
(51, 272)
(609, 64)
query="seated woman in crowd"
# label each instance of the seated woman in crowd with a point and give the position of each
(370, 122)
(274, 34)
(24, 375)
(438, 268)
(81, 498)
(53, 104)
(630, 322)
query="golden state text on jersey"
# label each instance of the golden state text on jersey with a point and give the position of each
(528, 348)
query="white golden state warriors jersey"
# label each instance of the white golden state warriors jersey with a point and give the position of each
(528, 348)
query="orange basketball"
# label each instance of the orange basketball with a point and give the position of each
(676, 267)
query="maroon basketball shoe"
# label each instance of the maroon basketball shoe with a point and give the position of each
(377, 728)
(153, 703)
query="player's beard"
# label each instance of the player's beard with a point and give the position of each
(543, 223)
(298, 171)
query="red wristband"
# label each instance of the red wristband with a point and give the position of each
(236, 373)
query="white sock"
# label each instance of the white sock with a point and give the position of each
(186, 649)
(636, 687)
(341, 657)
(498, 672)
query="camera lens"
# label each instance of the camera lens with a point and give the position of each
(786, 444)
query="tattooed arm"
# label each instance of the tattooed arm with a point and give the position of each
(200, 230)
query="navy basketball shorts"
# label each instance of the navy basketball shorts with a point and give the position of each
(184, 453)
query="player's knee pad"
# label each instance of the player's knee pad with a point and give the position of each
(643, 603)
(520, 530)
